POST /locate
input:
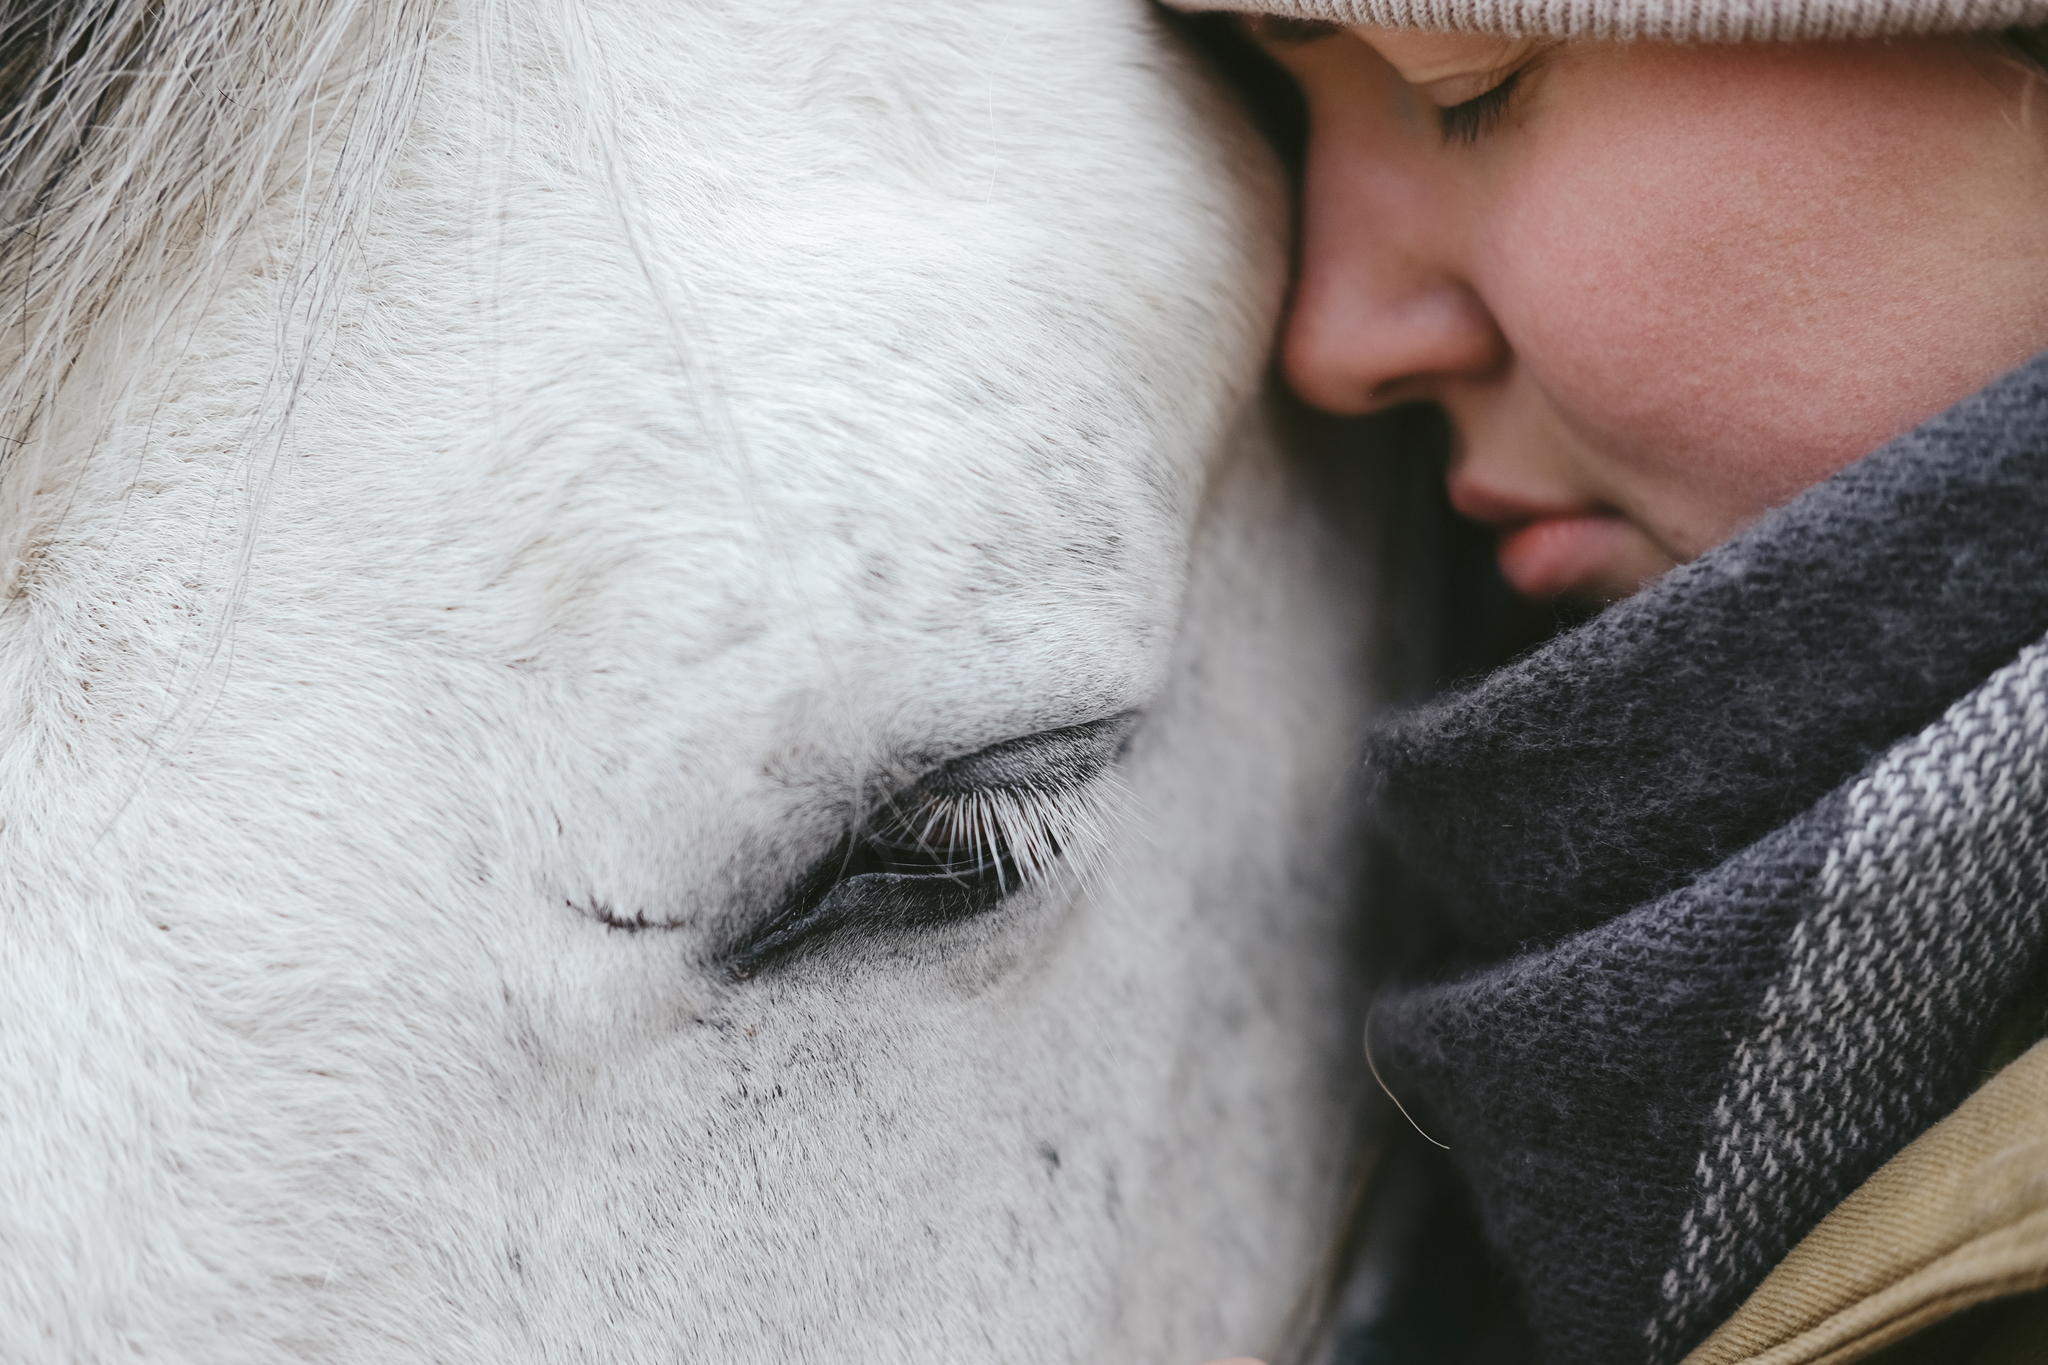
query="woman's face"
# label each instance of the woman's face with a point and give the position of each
(1660, 288)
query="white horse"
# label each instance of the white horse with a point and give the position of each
(662, 695)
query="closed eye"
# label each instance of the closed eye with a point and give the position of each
(1471, 120)
(955, 843)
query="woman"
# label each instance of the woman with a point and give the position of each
(1736, 308)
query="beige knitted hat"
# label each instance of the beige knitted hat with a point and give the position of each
(1680, 20)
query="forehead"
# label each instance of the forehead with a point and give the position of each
(1420, 57)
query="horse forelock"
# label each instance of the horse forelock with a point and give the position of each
(138, 139)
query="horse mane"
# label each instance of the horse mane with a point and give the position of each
(138, 138)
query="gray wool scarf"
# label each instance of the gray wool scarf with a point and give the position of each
(1746, 876)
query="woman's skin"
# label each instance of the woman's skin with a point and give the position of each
(1659, 288)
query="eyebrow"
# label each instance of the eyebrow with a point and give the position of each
(1279, 29)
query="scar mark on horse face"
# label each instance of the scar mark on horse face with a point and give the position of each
(1050, 1155)
(611, 919)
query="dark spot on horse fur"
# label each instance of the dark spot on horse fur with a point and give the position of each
(1050, 1155)
(879, 569)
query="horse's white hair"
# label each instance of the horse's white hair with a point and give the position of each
(662, 693)
(138, 138)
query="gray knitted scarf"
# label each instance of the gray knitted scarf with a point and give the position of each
(1746, 875)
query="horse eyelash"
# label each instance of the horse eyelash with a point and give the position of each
(1018, 833)
(1472, 119)
(953, 845)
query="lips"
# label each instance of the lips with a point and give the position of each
(1560, 555)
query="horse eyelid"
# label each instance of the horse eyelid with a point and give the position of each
(1025, 806)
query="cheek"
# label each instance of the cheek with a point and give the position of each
(1719, 299)
(1625, 315)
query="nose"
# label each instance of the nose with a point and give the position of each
(1384, 311)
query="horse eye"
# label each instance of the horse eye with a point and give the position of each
(953, 844)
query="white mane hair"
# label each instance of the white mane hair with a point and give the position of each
(664, 693)
(138, 139)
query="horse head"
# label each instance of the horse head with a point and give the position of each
(665, 693)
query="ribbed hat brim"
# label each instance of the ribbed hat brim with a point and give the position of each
(1673, 20)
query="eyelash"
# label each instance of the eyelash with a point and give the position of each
(938, 853)
(1468, 122)
(1017, 834)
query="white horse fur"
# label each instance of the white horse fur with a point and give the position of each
(495, 494)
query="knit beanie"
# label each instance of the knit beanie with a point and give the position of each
(1669, 20)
